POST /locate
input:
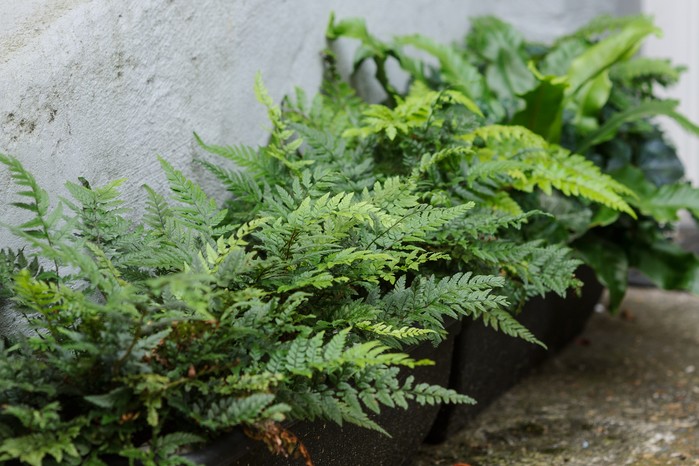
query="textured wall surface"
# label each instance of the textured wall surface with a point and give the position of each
(680, 42)
(99, 88)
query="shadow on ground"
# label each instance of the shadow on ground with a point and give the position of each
(625, 393)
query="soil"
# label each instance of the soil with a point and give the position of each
(626, 392)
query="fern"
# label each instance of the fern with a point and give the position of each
(33, 448)
(243, 156)
(462, 294)
(405, 334)
(11, 262)
(417, 110)
(550, 166)
(232, 411)
(636, 112)
(431, 394)
(197, 209)
(645, 68)
(45, 228)
(456, 70)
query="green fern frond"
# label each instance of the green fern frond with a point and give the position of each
(417, 110)
(373, 353)
(11, 262)
(283, 145)
(424, 393)
(456, 70)
(494, 169)
(39, 296)
(38, 198)
(229, 412)
(197, 210)
(503, 321)
(550, 166)
(168, 445)
(405, 334)
(659, 70)
(429, 300)
(320, 144)
(574, 175)
(101, 221)
(486, 222)
(50, 438)
(243, 156)
(45, 225)
(158, 211)
(539, 268)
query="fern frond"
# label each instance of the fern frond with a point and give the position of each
(51, 439)
(551, 166)
(11, 262)
(283, 145)
(456, 70)
(45, 225)
(494, 169)
(228, 412)
(428, 300)
(197, 210)
(320, 144)
(401, 336)
(424, 393)
(38, 198)
(168, 444)
(243, 156)
(659, 70)
(539, 268)
(503, 321)
(574, 175)
(158, 211)
(600, 25)
(417, 110)
(101, 221)
(486, 222)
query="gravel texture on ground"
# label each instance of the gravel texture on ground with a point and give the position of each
(626, 392)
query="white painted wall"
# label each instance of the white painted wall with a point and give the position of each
(680, 43)
(98, 88)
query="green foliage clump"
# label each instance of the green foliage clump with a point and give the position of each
(590, 99)
(294, 301)
(358, 230)
(167, 331)
(442, 145)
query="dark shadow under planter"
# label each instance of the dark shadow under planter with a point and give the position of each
(330, 444)
(487, 363)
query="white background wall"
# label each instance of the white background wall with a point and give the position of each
(680, 43)
(98, 88)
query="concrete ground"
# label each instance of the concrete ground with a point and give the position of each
(624, 393)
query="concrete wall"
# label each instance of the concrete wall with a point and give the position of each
(680, 43)
(98, 88)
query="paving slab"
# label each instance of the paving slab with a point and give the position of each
(626, 392)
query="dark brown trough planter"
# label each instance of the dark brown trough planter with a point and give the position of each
(329, 444)
(487, 363)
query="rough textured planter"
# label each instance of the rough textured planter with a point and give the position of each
(329, 444)
(487, 363)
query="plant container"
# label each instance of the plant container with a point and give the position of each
(487, 363)
(330, 444)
